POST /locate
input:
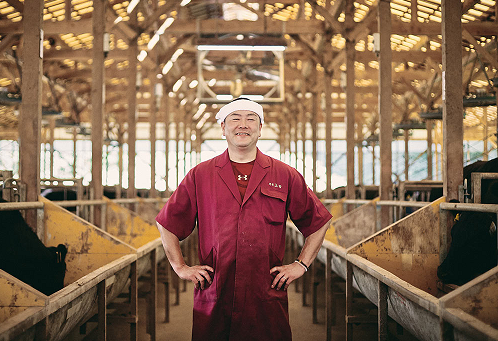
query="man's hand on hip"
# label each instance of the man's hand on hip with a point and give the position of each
(197, 274)
(286, 274)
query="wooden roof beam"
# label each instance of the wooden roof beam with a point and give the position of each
(7, 41)
(330, 18)
(307, 47)
(261, 26)
(468, 4)
(18, 6)
(337, 8)
(171, 51)
(480, 50)
(164, 9)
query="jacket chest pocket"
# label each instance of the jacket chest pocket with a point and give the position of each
(273, 205)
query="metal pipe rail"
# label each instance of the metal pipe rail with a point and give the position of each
(487, 208)
(136, 200)
(402, 203)
(11, 206)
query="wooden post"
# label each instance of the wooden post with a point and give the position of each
(314, 130)
(328, 133)
(132, 101)
(349, 300)
(152, 112)
(305, 282)
(75, 140)
(166, 139)
(452, 98)
(485, 134)
(385, 107)
(314, 290)
(184, 133)
(98, 100)
(30, 118)
(304, 119)
(120, 160)
(436, 138)
(328, 295)
(294, 123)
(152, 313)
(359, 144)
(176, 284)
(407, 154)
(289, 137)
(177, 141)
(382, 311)
(350, 100)
(102, 311)
(68, 10)
(428, 126)
(134, 301)
(52, 140)
(373, 162)
(281, 139)
(166, 294)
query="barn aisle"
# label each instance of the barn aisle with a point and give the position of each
(179, 327)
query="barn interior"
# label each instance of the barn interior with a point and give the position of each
(380, 105)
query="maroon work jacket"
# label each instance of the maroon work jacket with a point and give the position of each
(241, 241)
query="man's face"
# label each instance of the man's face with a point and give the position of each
(242, 129)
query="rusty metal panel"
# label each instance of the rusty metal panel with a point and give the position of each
(16, 296)
(472, 309)
(148, 211)
(89, 247)
(128, 226)
(421, 322)
(408, 248)
(354, 226)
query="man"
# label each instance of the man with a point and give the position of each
(240, 201)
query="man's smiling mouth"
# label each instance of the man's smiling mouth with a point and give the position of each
(242, 134)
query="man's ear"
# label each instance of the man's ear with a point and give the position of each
(223, 128)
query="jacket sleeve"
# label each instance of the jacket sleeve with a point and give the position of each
(305, 209)
(179, 214)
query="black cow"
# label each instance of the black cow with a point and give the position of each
(25, 257)
(473, 248)
(473, 235)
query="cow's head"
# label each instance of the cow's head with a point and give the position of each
(472, 251)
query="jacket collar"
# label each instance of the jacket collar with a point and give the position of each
(259, 171)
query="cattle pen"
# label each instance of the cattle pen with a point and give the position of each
(395, 269)
(99, 267)
(385, 109)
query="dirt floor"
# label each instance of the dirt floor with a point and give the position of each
(301, 317)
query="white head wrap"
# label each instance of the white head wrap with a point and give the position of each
(240, 104)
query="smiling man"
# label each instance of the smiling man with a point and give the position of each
(240, 201)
